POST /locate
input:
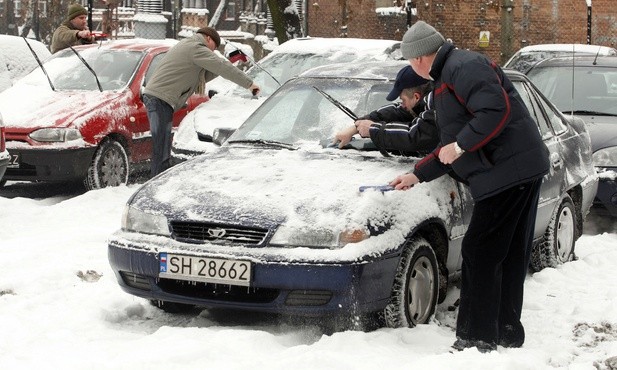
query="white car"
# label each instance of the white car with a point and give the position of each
(16, 58)
(233, 104)
(528, 56)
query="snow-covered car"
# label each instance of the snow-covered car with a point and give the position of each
(592, 97)
(4, 154)
(84, 121)
(232, 104)
(279, 220)
(528, 56)
(16, 58)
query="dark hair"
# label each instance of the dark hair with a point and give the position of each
(209, 31)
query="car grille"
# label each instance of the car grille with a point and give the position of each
(308, 297)
(218, 292)
(135, 280)
(200, 232)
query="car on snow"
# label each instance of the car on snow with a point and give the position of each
(528, 56)
(81, 116)
(232, 104)
(4, 154)
(592, 97)
(279, 220)
(17, 58)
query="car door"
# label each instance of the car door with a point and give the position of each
(553, 184)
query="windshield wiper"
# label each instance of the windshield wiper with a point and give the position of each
(338, 104)
(590, 113)
(40, 64)
(273, 143)
(98, 83)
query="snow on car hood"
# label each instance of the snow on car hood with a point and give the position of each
(28, 106)
(303, 189)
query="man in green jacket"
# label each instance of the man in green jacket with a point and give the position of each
(184, 70)
(73, 31)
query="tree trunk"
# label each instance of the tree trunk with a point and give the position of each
(285, 19)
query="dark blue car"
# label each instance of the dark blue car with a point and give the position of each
(275, 219)
(592, 97)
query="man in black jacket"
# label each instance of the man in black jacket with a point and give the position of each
(405, 128)
(491, 142)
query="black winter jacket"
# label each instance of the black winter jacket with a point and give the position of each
(478, 107)
(398, 131)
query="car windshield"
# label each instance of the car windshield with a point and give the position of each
(114, 69)
(284, 66)
(524, 61)
(298, 113)
(594, 90)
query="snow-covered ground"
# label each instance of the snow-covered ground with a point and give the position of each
(61, 308)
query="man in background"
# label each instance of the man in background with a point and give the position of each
(73, 31)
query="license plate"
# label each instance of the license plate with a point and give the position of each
(204, 269)
(13, 161)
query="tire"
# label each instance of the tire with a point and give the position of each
(172, 307)
(416, 286)
(557, 245)
(109, 167)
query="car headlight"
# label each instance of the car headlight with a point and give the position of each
(136, 220)
(316, 237)
(56, 135)
(606, 157)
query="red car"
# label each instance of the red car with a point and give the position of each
(81, 116)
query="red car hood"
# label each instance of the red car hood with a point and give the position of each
(25, 109)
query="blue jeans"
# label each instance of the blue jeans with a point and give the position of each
(160, 116)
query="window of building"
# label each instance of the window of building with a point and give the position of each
(230, 12)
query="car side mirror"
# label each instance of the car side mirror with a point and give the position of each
(221, 135)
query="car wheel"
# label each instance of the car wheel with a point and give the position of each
(415, 289)
(172, 307)
(109, 167)
(557, 245)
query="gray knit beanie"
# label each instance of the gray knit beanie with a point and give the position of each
(421, 39)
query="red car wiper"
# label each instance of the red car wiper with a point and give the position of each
(40, 64)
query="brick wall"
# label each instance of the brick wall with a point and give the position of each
(528, 22)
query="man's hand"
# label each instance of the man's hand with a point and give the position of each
(85, 34)
(255, 89)
(404, 182)
(363, 126)
(448, 154)
(344, 137)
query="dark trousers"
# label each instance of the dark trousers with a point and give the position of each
(496, 251)
(160, 115)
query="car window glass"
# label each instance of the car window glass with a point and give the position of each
(152, 67)
(298, 112)
(113, 68)
(533, 108)
(554, 119)
(594, 88)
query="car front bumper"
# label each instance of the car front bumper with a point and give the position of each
(606, 198)
(53, 165)
(292, 288)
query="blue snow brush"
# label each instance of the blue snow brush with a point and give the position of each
(381, 188)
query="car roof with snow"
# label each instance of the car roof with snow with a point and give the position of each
(578, 48)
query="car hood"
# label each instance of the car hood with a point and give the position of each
(35, 107)
(602, 130)
(307, 190)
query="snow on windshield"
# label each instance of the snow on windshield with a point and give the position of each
(114, 69)
(299, 112)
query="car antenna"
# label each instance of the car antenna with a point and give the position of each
(40, 64)
(595, 60)
(572, 91)
(253, 61)
(98, 83)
